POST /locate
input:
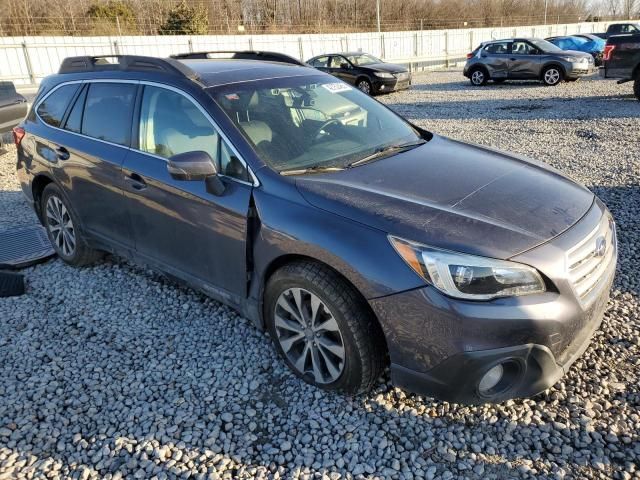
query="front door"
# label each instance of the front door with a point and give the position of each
(177, 225)
(341, 68)
(524, 61)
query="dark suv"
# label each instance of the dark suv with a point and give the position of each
(526, 59)
(354, 237)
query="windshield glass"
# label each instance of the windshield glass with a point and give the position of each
(545, 46)
(314, 121)
(364, 59)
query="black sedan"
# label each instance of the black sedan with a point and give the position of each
(366, 72)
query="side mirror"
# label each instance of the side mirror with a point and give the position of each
(345, 66)
(196, 165)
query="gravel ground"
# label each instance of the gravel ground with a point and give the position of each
(113, 372)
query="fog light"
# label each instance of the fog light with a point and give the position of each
(491, 379)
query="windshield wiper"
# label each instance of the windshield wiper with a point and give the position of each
(385, 151)
(314, 169)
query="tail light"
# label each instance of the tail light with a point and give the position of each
(469, 55)
(18, 135)
(608, 50)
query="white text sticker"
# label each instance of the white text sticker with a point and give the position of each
(337, 87)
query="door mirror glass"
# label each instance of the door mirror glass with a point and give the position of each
(196, 165)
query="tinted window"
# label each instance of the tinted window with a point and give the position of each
(497, 48)
(108, 110)
(53, 108)
(337, 61)
(7, 91)
(523, 48)
(170, 124)
(74, 120)
(322, 62)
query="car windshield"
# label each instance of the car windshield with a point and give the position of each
(312, 122)
(545, 46)
(363, 59)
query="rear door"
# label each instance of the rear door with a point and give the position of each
(524, 61)
(88, 148)
(13, 106)
(495, 56)
(177, 224)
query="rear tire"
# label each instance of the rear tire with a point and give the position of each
(478, 77)
(62, 228)
(552, 76)
(323, 329)
(636, 87)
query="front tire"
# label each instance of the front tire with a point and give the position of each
(323, 329)
(62, 228)
(552, 76)
(478, 77)
(364, 86)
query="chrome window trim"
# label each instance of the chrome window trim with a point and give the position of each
(255, 182)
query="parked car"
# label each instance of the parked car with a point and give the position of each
(366, 72)
(479, 275)
(622, 60)
(525, 59)
(594, 45)
(13, 108)
(620, 28)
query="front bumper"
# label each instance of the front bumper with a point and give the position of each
(384, 85)
(442, 347)
(575, 70)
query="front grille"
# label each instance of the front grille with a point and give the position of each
(590, 259)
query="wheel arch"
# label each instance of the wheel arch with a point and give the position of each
(38, 184)
(553, 63)
(290, 258)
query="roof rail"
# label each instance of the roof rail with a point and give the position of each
(128, 63)
(240, 55)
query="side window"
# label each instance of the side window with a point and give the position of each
(170, 124)
(337, 61)
(321, 62)
(108, 110)
(52, 109)
(74, 120)
(523, 48)
(497, 48)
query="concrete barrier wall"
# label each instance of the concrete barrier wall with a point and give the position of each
(26, 60)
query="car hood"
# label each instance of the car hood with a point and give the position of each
(456, 196)
(385, 67)
(575, 53)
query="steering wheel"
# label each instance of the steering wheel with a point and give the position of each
(316, 135)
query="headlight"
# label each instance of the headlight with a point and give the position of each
(570, 59)
(468, 276)
(384, 75)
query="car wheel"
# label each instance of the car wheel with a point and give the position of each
(552, 76)
(636, 87)
(478, 77)
(364, 85)
(62, 228)
(323, 329)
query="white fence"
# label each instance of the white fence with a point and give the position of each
(26, 60)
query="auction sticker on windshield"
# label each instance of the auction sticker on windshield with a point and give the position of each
(337, 87)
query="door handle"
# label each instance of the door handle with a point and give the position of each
(136, 181)
(62, 153)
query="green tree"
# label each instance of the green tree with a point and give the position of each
(114, 16)
(185, 20)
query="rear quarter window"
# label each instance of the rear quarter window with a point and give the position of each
(52, 109)
(108, 112)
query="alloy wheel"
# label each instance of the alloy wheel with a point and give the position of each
(309, 335)
(60, 226)
(477, 77)
(551, 76)
(364, 86)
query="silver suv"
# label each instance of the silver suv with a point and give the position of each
(525, 59)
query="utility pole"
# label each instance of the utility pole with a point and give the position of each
(378, 13)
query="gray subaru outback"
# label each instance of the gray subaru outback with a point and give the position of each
(525, 59)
